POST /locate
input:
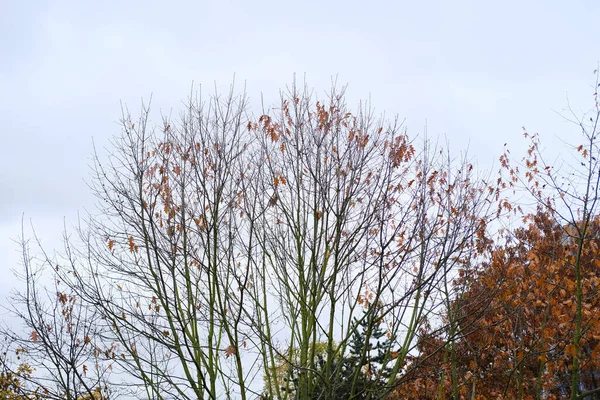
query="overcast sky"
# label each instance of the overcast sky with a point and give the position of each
(475, 71)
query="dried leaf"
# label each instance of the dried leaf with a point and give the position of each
(230, 350)
(132, 246)
(273, 200)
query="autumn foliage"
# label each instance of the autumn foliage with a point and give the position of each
(316, 252)
(517, 320)
(524, 322)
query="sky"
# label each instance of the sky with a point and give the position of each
(474, 72)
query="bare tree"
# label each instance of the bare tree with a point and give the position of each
(58, 357)
(224, 242)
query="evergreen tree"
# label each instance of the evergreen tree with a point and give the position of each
(361, 373)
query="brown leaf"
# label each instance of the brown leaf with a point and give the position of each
(132, 246)
(230, 350)
(273, 199)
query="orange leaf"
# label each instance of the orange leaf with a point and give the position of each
(132, 247)
(520, 355)
(111, 244)
(34, 336)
